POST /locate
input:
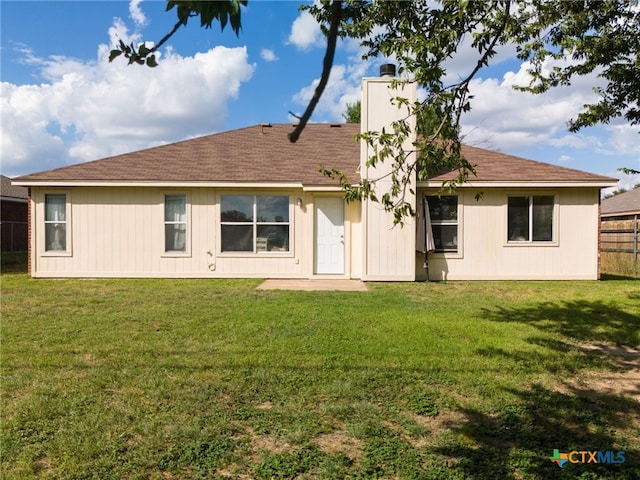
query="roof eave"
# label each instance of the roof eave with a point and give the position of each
(7, 198)
(161, 184)
(620, 214)
(524, 184)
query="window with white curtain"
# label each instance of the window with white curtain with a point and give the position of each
(55, 222)
(175, 223)
(443, 211)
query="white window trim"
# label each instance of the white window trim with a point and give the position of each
(459, 253)
(69, 225)
(176, 253)
(254, 253)
(531, 243)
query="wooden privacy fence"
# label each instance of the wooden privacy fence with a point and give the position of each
(619, 245)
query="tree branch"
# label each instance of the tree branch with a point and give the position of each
(488, 52)
(332, 40)
(181, 21)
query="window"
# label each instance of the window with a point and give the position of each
(254, 223)
(443, 211)
(55, 222)
(530, 218)
(175, 223)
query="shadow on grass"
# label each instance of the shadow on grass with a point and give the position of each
(522, 437)
(13, 262)
(614, 276)
(580, 320)
(570, 417)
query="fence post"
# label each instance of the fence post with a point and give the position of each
(635, 245)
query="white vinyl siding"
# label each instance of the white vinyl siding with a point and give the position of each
(485, 253)
(120, 232)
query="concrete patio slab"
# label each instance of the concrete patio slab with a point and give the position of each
(312, 285)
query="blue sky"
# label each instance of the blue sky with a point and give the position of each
(63, 103)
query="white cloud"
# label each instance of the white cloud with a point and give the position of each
(623, 139)
(136, 13)
(305, 32)
(24, 139)
(119, 31)
(522, 123)
(343, 88)
(504, 115)
(268, 55)
(465, 59)
(92, 109)
(626, 182)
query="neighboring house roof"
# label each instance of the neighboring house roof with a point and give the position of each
(627, 203)
(12, 192)
(263, 153)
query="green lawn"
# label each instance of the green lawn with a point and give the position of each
(176, 379)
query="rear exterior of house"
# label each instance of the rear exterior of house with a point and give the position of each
(514, 233)
(190, 232)
(248, 203)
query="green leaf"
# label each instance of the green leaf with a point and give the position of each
(151, 61)
(114, 54)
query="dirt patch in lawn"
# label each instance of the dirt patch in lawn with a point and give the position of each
(266, 443)
(625, 382)
(339, 442)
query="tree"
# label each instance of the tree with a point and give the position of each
(588, 37)
(574, 38)
(352, 115)
(578, 38)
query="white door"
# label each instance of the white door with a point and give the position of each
(329, 236)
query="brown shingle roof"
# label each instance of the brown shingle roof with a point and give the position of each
(499, 167)
(264, 154)
(624, 203)
(12, 191)
(251, 154)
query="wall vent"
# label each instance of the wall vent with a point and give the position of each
(264, 125)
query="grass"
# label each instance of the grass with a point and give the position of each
(214, 379)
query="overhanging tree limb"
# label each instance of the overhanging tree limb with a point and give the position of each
(332, 40)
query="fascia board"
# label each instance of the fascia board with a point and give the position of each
(119, 183)
(524, 184)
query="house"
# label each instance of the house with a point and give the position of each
(248, 203)
(625, 205)
(13, 216)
